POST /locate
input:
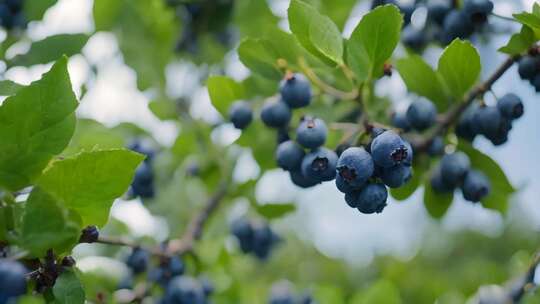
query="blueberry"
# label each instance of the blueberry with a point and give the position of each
(12, 280)
(438, 184)
(407, 10)
(311, 133)
(138, 260)
(243, 231)
(306, 299)
(395, 177)
(302, 181)
(510, 106)
(388, 150)
(475, 186)
(143, 181)
(262, 241)
(436, 147)
(487, 120)
(295, 91)
(355, 166)
(90, 234)
(454, 167)
(528, 67)
(501, 133)
(399, 120)
(320, 165)
(477, 10)
(465, 128)
(375, 131)
(457, 25)
(176, 266)
(535, 82)
(282, 135)
(437, 10)
(240, 114)
(421, 114)
(144, 148)
(275, 114)
(207, 286)
(344, 186)
(185, 290)
(289, 155)
(410, 152)
(371, 199)
(413, 38)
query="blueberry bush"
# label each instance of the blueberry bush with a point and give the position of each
(313, 104)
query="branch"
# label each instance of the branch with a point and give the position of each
(452, 115)
(525, 283)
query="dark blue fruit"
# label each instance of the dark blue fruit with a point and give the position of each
(311, 133)
(465, 128)
(295, 90)
(436, 147)
(175, 266)
(138, 260)
(487, 121)
(240, 114)
(528, 67)
(399, 120)
(207, 286)
(438, 184)
(510, 106)
(410, 152)
(372, 198)
(262, 241)
(242, 229)
(413, 38)
(12, 280)
(302, 181)
(320, 165)
(185, 290)
(454, 167)
(143, 181)
(477, 10)
(536, 82)
(456, 25)
(282, 135)
(344, 186)
(407, 10)
(421, 114)
(437, 10)
(144, 148)
(355, 166)
(289, 155)
(388, 150)
(275, 114)
(397, 176)
(476, 186)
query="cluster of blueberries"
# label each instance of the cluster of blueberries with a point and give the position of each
(11, 14)
(281, 293)
(179, 288)
(529, 69)
(254, 237)
(143, 181)
(454, 171)
(493, 122)
(12, 281)
(445, 20)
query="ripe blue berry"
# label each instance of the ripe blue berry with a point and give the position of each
(90, 234)
(438, 184)
(421, 114)
(289, 155)
(465, 128)
(436, 147)
(275, 114)
(12, 280)
(262, 241)
(371, 199)
(477, 10)
(487, 121)
(184, 289)
(476, 186)
(295, 91)
(175, 266)
(399, 120)
(437, 10)
(397, 176)
(143, 181)
(299, 179)
(454, 167)
(207, 286)
(138, 260)
(413, 38)
(388, 150)
(355, 166)
(456, 25)
(243, 231)
(344, 186)
(320, 165)
(144, 148)
(528, 67)
(240, 114)
(311, 133)
(510, 106)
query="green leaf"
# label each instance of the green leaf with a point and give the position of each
(326, 37)
(68, 289)
(50, 49)
(260, 57)
(3, 220)
(373, 41)
(92, 135)
(164, 109)
(34, 10)
(382, 291)
(404, 192)
(262, 143)
(8, 87)
(528, 19)
(273, 211)
(90, 181)
(36, 124)
(459, 67)
(436, 203)
(519, 42)
(223, 92)
(46, 225)
(421, 79)
(501, 188)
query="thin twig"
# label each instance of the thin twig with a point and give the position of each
(118, 241)
(504, 17)
(526, 283)
(328, 89)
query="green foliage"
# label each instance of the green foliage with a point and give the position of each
(273, 211)
(380, 292)
(34, 10)
(436, 203)
(223, 92)
(520, 42)
(68, 289)
(8, 87)
(36, 124)
(459, 67)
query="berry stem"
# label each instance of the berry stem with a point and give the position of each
(328, 89)
(504, 17)
(526, 282)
